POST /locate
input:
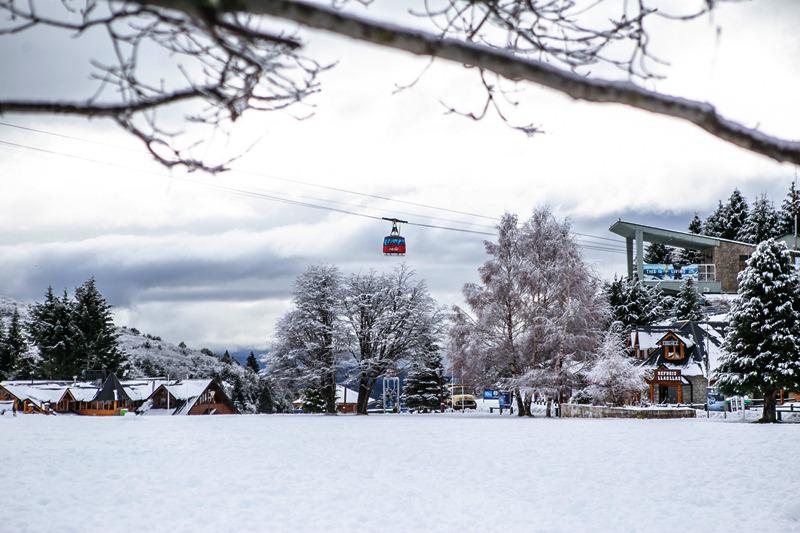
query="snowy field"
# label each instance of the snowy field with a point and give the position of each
(411, 473)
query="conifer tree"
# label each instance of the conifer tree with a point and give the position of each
(762, 343)
(715, 223)
(226, 358)
(52, 331)
(658, 254)
(636, 304)
(6, 364)
(736, 212)
(265, 403)
(687, 256)
(16, 346)
(790, 210)
(689, 304)
(313, 400)
(96, 338)
(425, 385)
(761, 223)
(252, 363)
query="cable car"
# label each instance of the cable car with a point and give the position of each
(394, 243)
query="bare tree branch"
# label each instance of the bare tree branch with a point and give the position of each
(509, 65)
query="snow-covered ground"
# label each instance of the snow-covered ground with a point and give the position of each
(453, 472)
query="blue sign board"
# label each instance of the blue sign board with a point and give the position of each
(505, 399)
(716, 401)
(490, 394)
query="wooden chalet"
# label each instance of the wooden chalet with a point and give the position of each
(110, 400)
(679, 359)
(189, 397)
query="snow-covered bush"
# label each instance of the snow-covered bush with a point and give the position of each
(614, 378)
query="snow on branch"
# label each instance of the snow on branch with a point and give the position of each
(508, 64)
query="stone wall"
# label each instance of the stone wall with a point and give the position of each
(569, 410)
(726, 261)
(696, 392)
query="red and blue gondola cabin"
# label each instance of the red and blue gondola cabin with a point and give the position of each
(394, 245)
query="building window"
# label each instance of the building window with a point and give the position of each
(743, 262)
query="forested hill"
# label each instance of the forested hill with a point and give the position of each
(150, 356)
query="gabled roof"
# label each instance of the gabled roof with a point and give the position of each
(701, 356)
(111, 391)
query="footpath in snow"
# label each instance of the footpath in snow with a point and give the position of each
(421, 473)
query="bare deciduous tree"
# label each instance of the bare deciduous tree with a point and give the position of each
(239, 66)
(309, 338)
(390, 317)
(537, 314)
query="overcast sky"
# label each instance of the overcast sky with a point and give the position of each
(213, 268)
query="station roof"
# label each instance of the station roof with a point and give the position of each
(679, 239)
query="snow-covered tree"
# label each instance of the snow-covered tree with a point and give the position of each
(687, 256)
(52, 330)
(388, 317)
(425, 387)
(227, 358)
(265, 403)
(762, 342)
(761, 222)
(632, 303)
(614, 378)
(714, 225)
(309, 337)
(658, 254)
(96, 339)
(252, 363)
(15, 362)
(313, 400)
(535, 313)
(688, 304)
(789, 212)
(736, 211)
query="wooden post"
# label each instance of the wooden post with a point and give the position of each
(680, 392)
(652, 398)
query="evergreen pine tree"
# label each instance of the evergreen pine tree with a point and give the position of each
(635, 303)
(425, 386)
(762, 343)
(761, 223)
(265, 402)
(687, 256)
(52, 331)
(789, 210)
(17, 346)
(736, 212)
(658, 254)
(252, 363)
(226, 358)
(715, 223)
(238, 396)
(96, 339)
(313, 400)
(6, 365)
(689, 304)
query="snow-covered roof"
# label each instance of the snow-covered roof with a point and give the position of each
(647, 340)
(345, 395)
(36, 394)
(142, 389)
(188, 390)
(83, 392)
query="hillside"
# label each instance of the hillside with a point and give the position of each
(149, 356)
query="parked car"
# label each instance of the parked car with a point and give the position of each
(461, 397)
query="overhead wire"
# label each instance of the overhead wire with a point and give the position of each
(317, 185)
(288, 201)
